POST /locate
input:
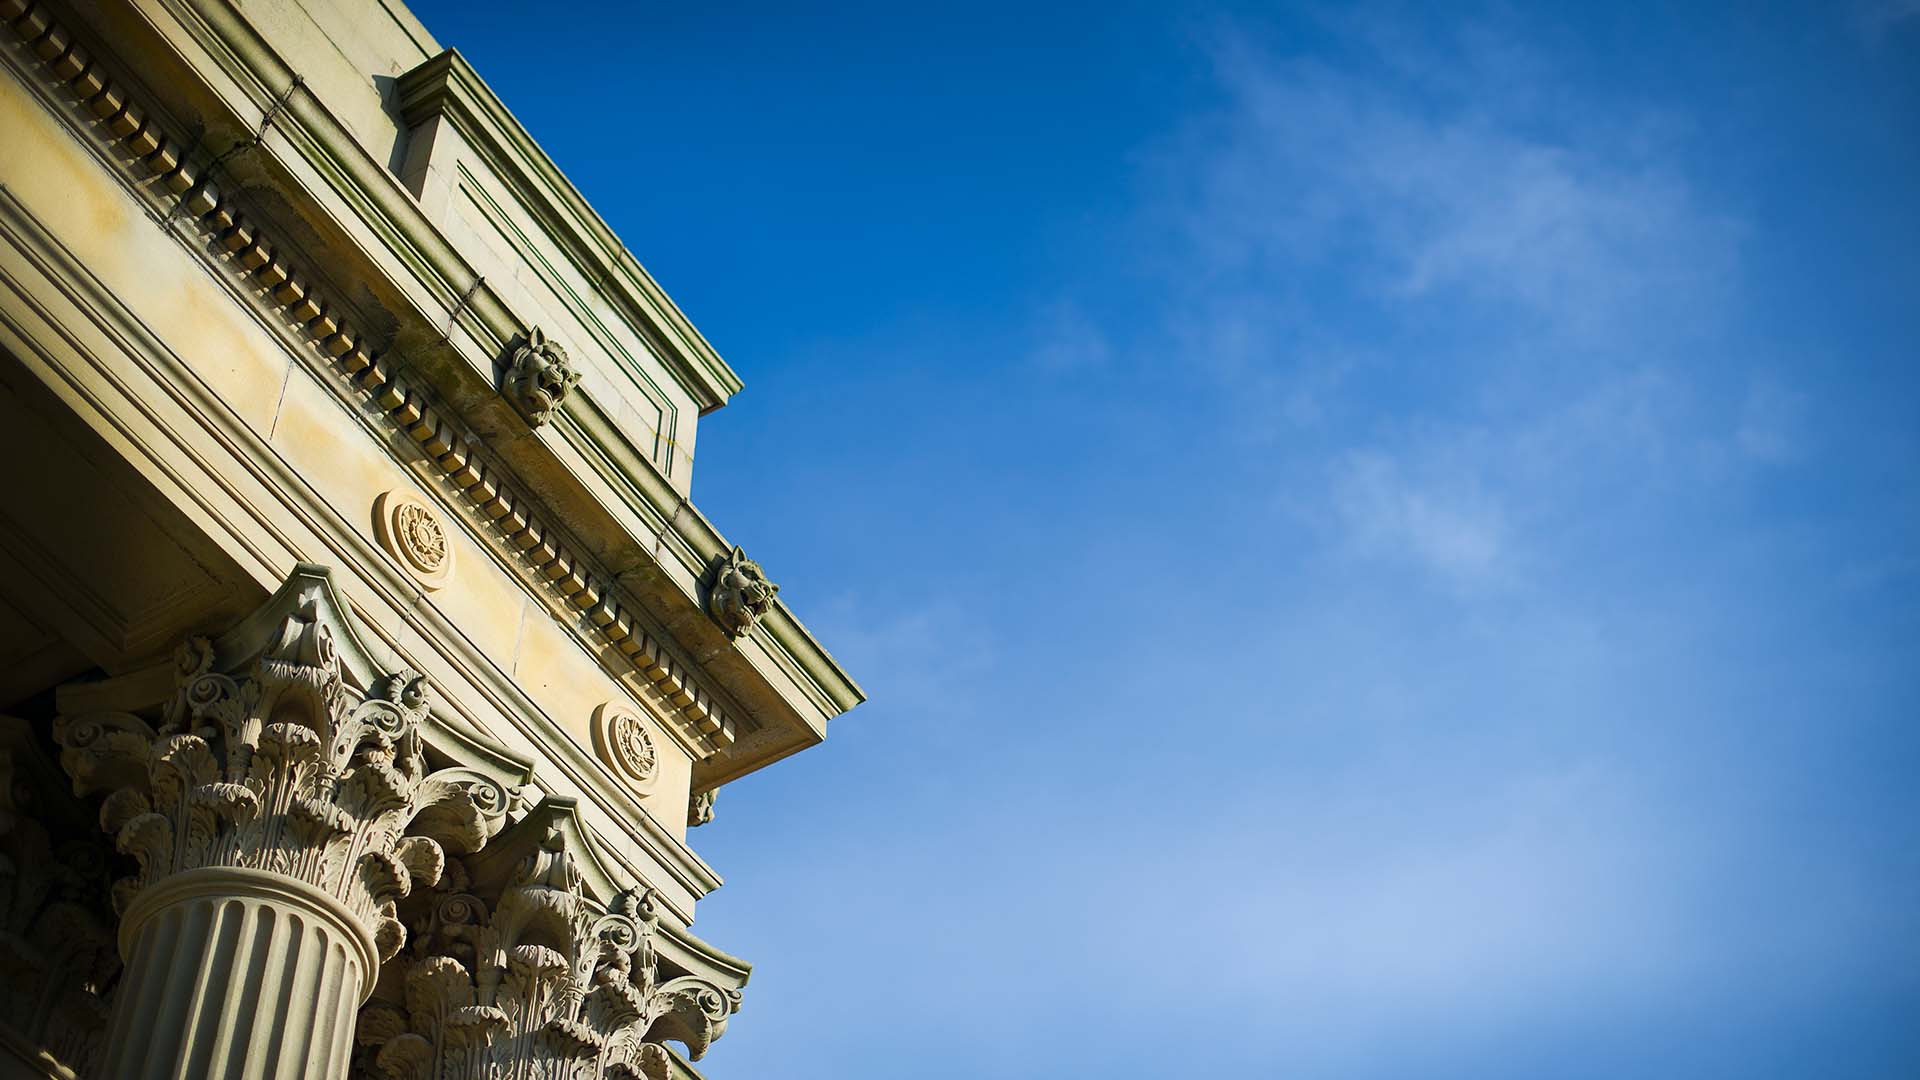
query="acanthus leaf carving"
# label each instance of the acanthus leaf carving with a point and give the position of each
(284, 769)
(540, 984)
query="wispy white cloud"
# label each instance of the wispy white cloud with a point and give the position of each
(1542, 273)
(1449, 522)
(1486, 501)
(1311, 167)
(1551, 880)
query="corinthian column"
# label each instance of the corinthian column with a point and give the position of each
(529, 978)
(276, 816)
(234, 972)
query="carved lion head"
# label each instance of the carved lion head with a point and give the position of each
(741, 595)
(538, 376)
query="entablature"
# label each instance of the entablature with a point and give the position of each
(479, 174)
(278, 197)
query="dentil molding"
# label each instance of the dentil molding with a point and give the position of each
(173, 171)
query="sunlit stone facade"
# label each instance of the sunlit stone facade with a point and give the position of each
(365, 664)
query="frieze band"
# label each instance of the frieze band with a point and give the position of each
(172, 170)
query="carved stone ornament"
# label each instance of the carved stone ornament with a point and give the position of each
(536, 983)
(281, 769)
(58, 961)
(624, 744)
(412, 532)
(700, 807)
(538, 376)
(741, 594)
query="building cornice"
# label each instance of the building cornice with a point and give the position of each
(265, 547)
(411, 390)
(448, 86)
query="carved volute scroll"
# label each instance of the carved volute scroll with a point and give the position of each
(529, 978)
(496, 941)
(741, 594)
(538, 376)
(281, 769)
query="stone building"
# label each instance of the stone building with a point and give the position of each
(364, 661)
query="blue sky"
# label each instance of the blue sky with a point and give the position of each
(1382, 541)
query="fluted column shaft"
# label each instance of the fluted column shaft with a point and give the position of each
(237, 973)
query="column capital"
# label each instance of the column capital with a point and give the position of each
(264, 758)
(522, 973)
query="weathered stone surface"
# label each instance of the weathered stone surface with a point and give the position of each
(741, 594)
(276, 816)
(233, 322)
(538, 376)
(528, 977)
(281, 770)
